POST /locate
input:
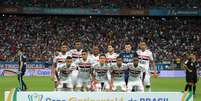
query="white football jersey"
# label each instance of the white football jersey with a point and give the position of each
(84, 68)
(66, 71)
(144, 58)
(111, 57)
(118, 73)
(102, 72)
(75, 54)
(95, 58)
(134, 72)
(60, 59)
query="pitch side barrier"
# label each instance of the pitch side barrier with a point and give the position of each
(98, 96)
(33, 68)
(152, 11)
(44, 69)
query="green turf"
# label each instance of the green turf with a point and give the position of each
(45, 84)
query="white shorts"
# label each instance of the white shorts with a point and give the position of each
(147, 81)
(67, 82)
(136, 83)
(121, 84)
(74, 77)
(81, 82)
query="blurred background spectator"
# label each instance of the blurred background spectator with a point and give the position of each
(134, 4)
(168, 37)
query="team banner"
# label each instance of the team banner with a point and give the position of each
(33, 69)
(29, 72)
(101, 96)
(175, 73)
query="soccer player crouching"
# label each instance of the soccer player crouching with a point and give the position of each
(101, 75)
(135, 83)
(117, 75)
(58, 62)
(65, 74)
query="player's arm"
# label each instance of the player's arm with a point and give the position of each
(53, 69)
(154, 67)
(110, 78)
(153, 64)
(93, 73)
(186, 67)
(20, 67)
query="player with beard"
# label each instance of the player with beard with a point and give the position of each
(76, 52)
(95, 54)
(111, 55)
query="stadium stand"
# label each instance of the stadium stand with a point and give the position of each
(139, 4)
(169, 38)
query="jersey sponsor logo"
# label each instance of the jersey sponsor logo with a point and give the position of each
(111, 59)
(60, 60)
(101, 70)
(118, 73)
(84, 65)
(143, 57)
(66, 71)
(75, 55)
(134, 73)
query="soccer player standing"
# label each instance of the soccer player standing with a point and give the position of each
(22, 68)
(76, 52)
(95, 54)
(145, 57)
(111, 55)
(191, 66)
(127, 56)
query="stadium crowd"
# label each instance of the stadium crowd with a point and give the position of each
(168, 38)
(136, 4)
